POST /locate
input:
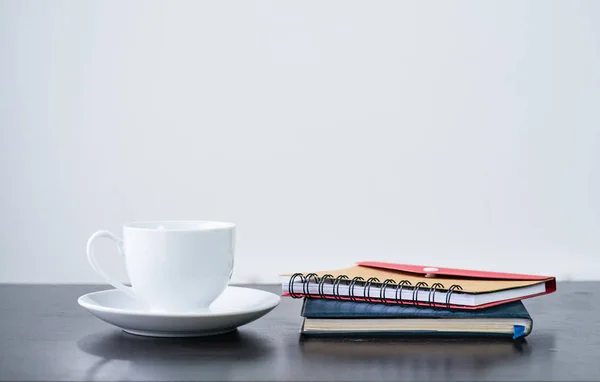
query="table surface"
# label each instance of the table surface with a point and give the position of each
(45, 335)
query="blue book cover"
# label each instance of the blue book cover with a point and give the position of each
(331, 317)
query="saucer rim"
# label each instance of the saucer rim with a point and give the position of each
(268, 305)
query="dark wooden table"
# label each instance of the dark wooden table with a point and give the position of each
(45, 335)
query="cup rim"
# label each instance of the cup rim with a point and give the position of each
(212, 225)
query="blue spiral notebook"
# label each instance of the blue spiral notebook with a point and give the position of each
(343, 318)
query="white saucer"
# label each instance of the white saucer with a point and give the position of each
(237, 306)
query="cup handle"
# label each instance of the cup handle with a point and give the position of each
(92, 259)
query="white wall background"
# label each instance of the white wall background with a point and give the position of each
(462, 134)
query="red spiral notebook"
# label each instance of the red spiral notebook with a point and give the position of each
(417, 285)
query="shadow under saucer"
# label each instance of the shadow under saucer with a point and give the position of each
(184, 356)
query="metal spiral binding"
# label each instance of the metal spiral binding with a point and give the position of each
(351, 287)
(320, 281)
(382, 290)
(323, 279)
(336, 285)
(433, 289)
(367, 288)
(415, 294)
(449, 293)
(291, 285)
(398, 294)
(305, 286)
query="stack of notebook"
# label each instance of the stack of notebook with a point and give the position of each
(397, 299)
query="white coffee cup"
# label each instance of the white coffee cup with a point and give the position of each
(173, 266)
